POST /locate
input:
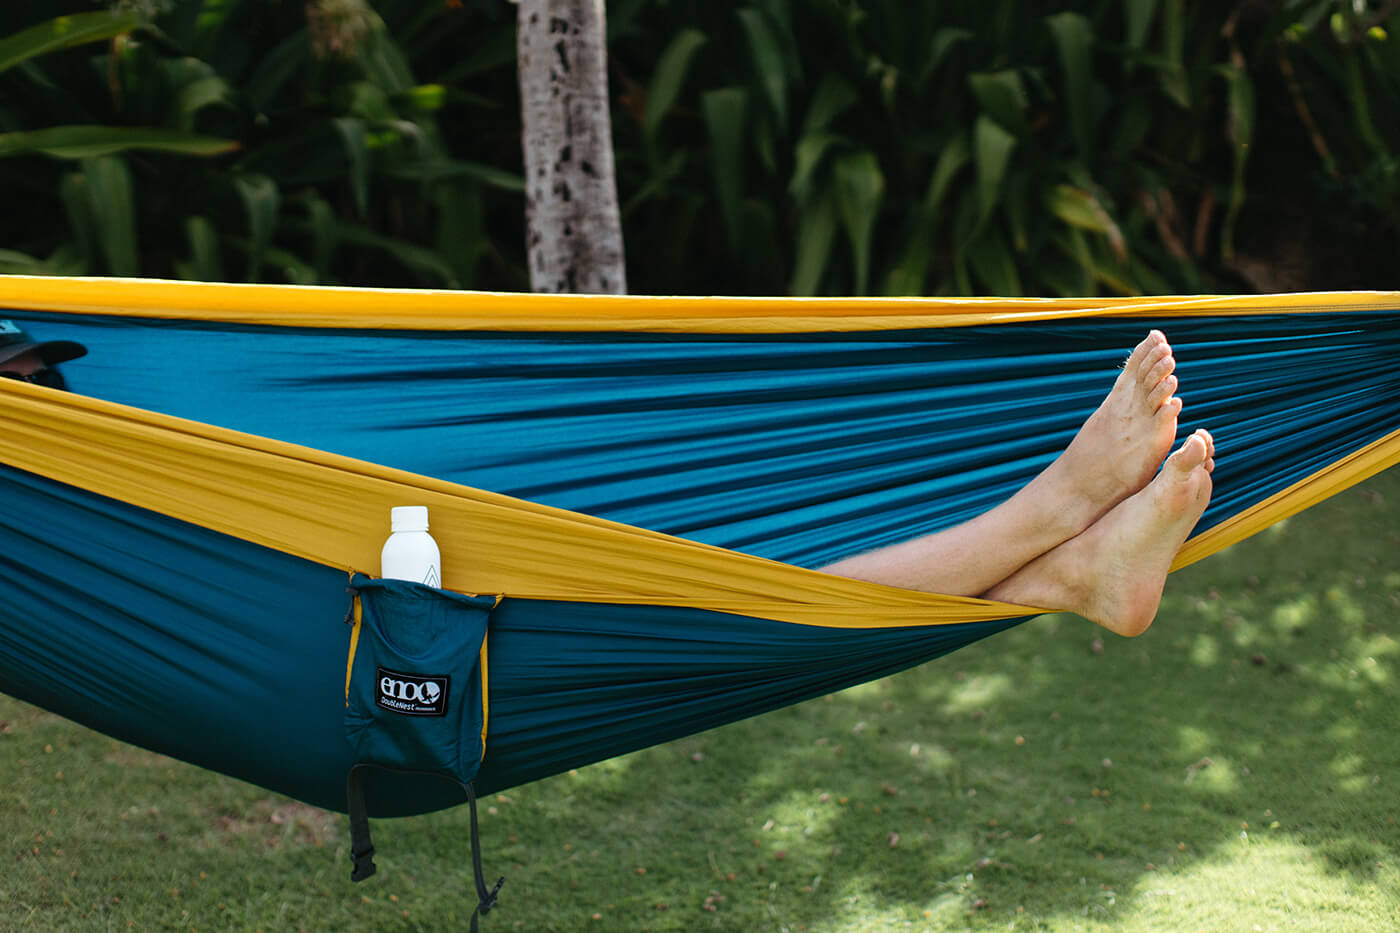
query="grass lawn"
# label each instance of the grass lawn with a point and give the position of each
(1233, 769)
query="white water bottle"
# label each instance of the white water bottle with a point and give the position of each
(411, 553)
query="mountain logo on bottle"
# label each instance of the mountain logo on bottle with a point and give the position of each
(432, 577)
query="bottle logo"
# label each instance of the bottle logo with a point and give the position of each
(431, 578)
(411, 694)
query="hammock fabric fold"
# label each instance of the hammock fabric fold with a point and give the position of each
(661, 474)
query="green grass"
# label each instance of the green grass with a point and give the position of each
(1233, 769)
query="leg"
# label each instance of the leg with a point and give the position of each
(1114, 455)
(1114, 572)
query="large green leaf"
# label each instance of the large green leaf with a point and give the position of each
(64, 260)
(425, 98)
(1074, 37)
(1016, 207)
(1075, 246)
(943, 42)
(811, 155)
(1097, 268)
(951, 159)
(669, 77)
(833, 96)
(1080, 208)
(860, 187)
(968, 223)
(13, 262)
(1003, 97)
(353, 136)
(992, 147)
(77, 207)
(1173, 75)
(1361, 108)
(206, 260)
(85, 142)
(261, 203)
(461, 238)
(768, 62)
(815, 236)
(324, 239)
(113, 209)
(65, 32)
(384, 62)
(1137, 21)
(196, 95)
(724, 117)
(908, 275)
(369, 101)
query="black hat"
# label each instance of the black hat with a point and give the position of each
(14, 341)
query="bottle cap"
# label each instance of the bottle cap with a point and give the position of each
(408, 518)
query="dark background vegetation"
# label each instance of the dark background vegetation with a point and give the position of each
(763, 147)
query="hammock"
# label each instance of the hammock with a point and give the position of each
(182, 526)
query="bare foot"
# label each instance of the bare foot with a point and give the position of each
(1114, 455)
(1114, 572)
(1121, 446)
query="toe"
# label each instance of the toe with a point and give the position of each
(1161, 393)
(1167, 412)
(1191, 454)
(1138, 358)
(1159, 365)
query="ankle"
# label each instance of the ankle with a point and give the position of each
(1059, 506)
(1047, 583)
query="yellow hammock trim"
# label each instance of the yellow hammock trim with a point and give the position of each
(1307, 492)
(426, 309)
(331, 509)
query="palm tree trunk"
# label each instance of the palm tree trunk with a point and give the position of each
(573, 231)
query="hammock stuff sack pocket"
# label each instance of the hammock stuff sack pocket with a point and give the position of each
(415, 699)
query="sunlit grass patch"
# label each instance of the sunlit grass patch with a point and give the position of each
(1233, 768)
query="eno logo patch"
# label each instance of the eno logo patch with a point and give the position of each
(411, 694)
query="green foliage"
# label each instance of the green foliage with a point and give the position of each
(64, 32)
(896, 148)
(762, 147)
(269, 141)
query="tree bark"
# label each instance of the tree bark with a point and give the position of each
(573, 230)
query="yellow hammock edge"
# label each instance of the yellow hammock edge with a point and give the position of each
(429, 309)
(1354, 468)
(332, 510)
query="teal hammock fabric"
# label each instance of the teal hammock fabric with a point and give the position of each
(801, 448)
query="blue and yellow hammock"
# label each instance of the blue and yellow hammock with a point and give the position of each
(180, 529)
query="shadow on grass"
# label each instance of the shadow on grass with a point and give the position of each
(1048, 777)
(1231, 768)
